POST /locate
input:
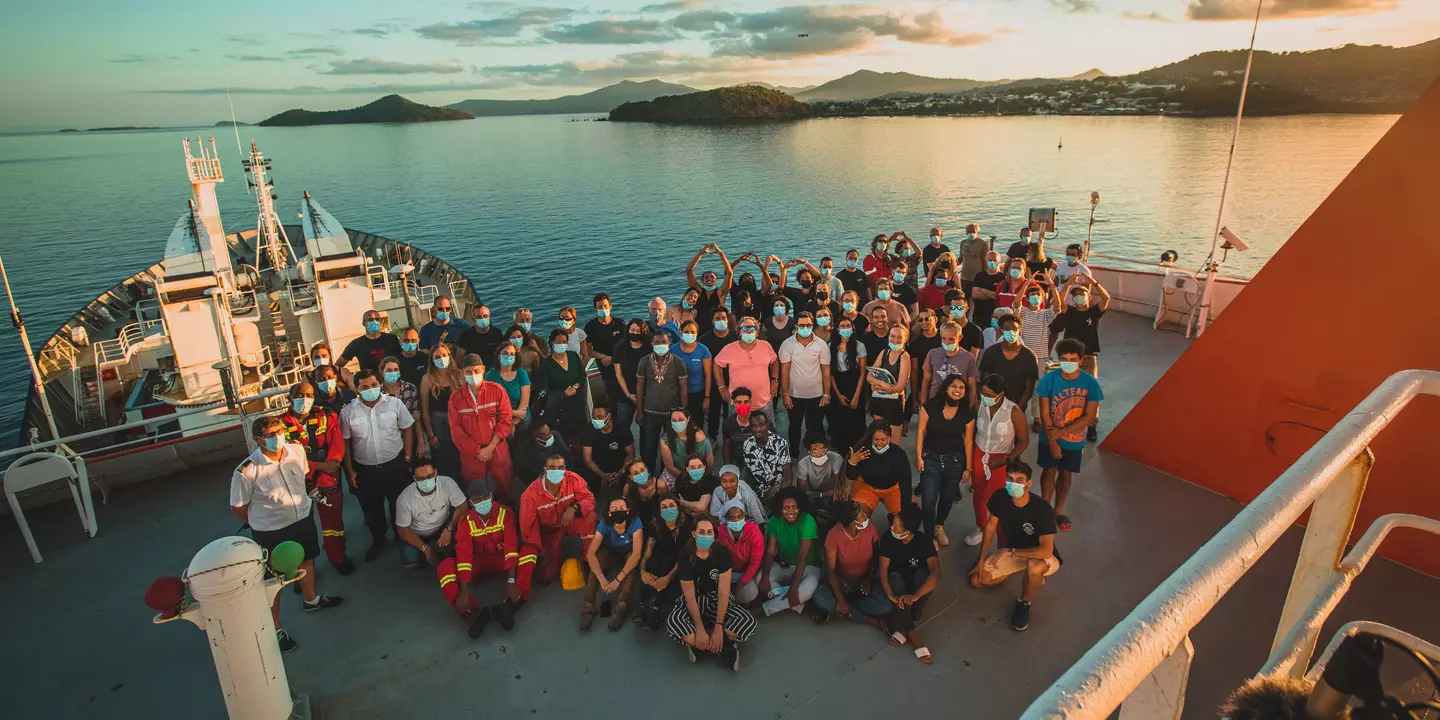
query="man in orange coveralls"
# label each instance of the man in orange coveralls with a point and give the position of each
(485, 546)
(479, 423)
(318, 430)
(557, 504)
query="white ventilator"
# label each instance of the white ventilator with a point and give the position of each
(232, 600)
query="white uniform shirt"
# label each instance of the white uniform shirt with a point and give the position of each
(274, 489)
(806, 378)
(424, 514)
(375, 430)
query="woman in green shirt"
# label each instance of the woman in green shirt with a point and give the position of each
(791, 570)
(561, 378)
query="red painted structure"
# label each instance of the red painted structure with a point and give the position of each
(1346, 302)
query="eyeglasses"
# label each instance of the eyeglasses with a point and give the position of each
(427, 477)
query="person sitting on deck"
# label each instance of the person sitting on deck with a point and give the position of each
(425, 516)
(909, 572)
(733, 488)
(642, 491)
(851, 560)
(879, 471)
(605, 451)
(1069, 401)
(556, 505)
(680, 439)
(791, 571)
(746, 543)
(318, 431)
(486, 545)
(694, 488)
(819, 474)
(613, 555)
(664, 538)
(479, 415)
(708, 619)
(1023, 527)
(534, 444)
(444, 327)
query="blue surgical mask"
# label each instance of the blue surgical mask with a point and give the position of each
(554, 476)
(1072, 260)
(560, 348)
(995, 323)
(679, 425)
(274, 443)
(524, 326)
(370, 395)
(661, 350)
(409, 347)
(547, 442)
(735, 525)
(372, 326)
(748, 337)
(484, 506)
(426, 485)
(823, 321)
(825, 272)
(1009, 336)
(852, 264)
(950, 347)
(1025, 239)
(940, 282)
(957, 311)
(602, 313)
(805, 332)
(687, 338)
(992, 266)
(1015, 272)
(642, 478)
(1014, 489)
(722, 325)
(846, 332)
(897, 347)
(709, 285)
(704, 542)
(442, 316)
(880, 450)
(392, 377)
(482, 323)
(898, 277)
(686, 304)
(597, 424)
(474, 379)
(779, 310)
(517, 342)
(989, 401)
(567, 323)
(302, 405)
(695, 473)
(847, 306)
(882, 294)
(327, 386)
(322, 361)
(669, 514)
(507, 360)
(442, 362)
(1069, 367)
(934, 239)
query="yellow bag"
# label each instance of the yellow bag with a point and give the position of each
(571, 577)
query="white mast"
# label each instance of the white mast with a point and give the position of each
(272, 242)
(29, 356)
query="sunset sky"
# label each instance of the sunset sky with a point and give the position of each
(82, 63)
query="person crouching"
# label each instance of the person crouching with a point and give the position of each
(612, 554)
(557, 504)
(487, 545)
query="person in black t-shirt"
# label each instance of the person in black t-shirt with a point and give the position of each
(853, 279)
(372, 347)
(711, 287)
(1021, 250)
(932, 251)
(602, 333)
(1023, 526)
(909, 572)
(1010, 359)
(695, 485)
(605, 450)
(904, 291)
(413, 362)
(709, 619)
(983, 289)
(1080, 319)
(665, 538)
(715, 340)
(629, 351)
(956, 308)
(481, 338)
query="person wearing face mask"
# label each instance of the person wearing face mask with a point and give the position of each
(695, 486)
(443, 326)
(686, 309)
(320, 355)
(852, 278)
(708, 618)
(746, 542)
(765, 456)
(660, 387)
(480, 425)
(1010, 291)
(698, 369)
(1021, 249)
(559, 384)
(712, 288)
(1086, 302)
(925, 339)
(829, 278)
(992, 335)
(733, 488)
(481, 339)
(317, 430)
(487, 545)
(943, 447)
(752, 364)
(665, 537)
(1023, 526)
(803, 292)
(330, 393)
(380, 443)
(426, 514)
(392, 382)
(629, 353)
(791, 571)
(524, 319)
(1010, 359)
(1069, 402)
(642, 491)
(613, 555)
(507, 373)
(889, 378)
(894, 311)
(1036, 311)
(972, 337)
(534, 444)
(933, 249)
(909, 572)
(372, 347)
(441, 380)
(904, 285)
(940, 279)
(984, 287)
(879, 264)
(736, 427)
(659, 321)
(972, 253)
(1072, 266)
(717, 339)
(879, 471)
(683, 438)
(818, 474)
(847, 383)
(413, 361)
(555, 506)
(851, 560)
(528, 352)
(746, 297)
(1001, 434)
(602, 332)
(780, 325)
(605, 451)
(948, 360)
(804, 379)
(267, 493)
(579, 341)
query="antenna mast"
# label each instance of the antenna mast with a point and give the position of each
(272, 243)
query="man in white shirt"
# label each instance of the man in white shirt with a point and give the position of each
(805, 378)
(267, 492)
(1070, 268)
(426, 514)
(379, 443)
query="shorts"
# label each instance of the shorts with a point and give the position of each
(1068, 460)
(870, 497)
(998, 568)
(891, 410)
(1091, 364)
(302, 531)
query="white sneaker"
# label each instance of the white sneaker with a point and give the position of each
(974, 537)
(940, 536)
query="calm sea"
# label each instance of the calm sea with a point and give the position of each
(542, 211)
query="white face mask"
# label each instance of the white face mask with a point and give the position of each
(863, 525)
(820, 460)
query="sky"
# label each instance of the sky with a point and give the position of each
(88, 63)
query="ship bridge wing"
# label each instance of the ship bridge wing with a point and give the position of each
(325, 237)
(189, 251)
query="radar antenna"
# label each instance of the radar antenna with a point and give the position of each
(272, 242)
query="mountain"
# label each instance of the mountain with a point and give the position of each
(782, 88)
(744, 102)
(228, 123)
(596, 101)
(388, 109)
(1090, 74)
(866, 84)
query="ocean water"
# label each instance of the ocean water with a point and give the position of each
(543, 212)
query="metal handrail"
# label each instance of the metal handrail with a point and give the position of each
(1096, 685)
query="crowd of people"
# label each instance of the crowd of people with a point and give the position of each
(715, 461)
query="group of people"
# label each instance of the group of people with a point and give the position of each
(769, 417)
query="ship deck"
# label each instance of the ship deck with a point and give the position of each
(80, 642)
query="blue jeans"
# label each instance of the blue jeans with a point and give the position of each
(939, 485)
(862, 607)
(650, 430)
(412, 557)
(624, 414)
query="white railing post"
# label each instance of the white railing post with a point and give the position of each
(1161, 695)
(1332, 518)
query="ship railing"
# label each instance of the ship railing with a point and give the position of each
(379, 279)
(59, 356)
(1143, 664)
(423, 295)
(1153, 267)
(117, 351)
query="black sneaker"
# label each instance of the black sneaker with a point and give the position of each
(1020, 619)
(505, 615)
(730, 655)
(345, 567)
(297, 589)
(287, 643)
(477, 626)
(376, 548)
(1091, 434)
(324, 602)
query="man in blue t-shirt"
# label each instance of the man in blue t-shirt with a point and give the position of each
(444, 325)
(1069, 402)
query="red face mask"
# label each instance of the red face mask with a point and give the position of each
(742, 409)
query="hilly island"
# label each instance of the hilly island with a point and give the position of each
(741, 102)
(388, 109)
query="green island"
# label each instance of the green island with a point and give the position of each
(741, 102)
(388, 109)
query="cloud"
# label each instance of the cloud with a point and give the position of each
(1245, 9)
(677, 6)
(504, 28)
(627, 66)
(313, 51)
(143, 58)
(1076, 6)
(813, 30)
(382, 89)
(256, 58)
(612, 32)
(371, 31)
(1149, 17)
(376, 66)
(1328, 29)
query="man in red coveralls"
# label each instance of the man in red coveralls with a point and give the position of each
(479, 423)
(486, 546)
(318, 430)
(557, 504)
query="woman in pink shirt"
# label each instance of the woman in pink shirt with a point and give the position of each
(746, 544)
